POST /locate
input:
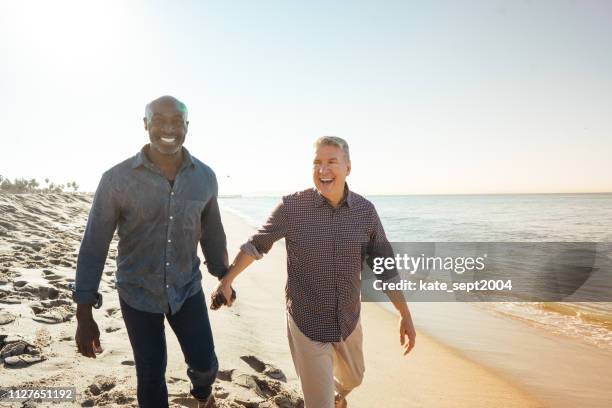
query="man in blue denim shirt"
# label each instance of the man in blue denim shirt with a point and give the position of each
(162, 202)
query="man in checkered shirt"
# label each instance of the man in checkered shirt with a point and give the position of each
(329, 230)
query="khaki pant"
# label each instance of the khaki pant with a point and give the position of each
(325, 367)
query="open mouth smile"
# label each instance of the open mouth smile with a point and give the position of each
(168, 140)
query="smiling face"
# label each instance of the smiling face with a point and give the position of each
(167, 125)
(329, 170)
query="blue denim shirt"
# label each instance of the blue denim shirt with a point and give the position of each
(159, 227)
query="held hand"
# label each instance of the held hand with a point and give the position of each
(407, 333)
(221, 294)
(87, 337)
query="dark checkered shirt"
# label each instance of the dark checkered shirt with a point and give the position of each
(326, 248)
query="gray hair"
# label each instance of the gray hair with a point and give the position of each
(166, 98)
(334, 141)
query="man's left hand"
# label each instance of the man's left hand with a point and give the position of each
(407, 333)
(223, 294)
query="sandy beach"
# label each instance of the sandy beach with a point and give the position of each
(39, 240)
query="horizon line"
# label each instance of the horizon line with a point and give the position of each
(273, 195)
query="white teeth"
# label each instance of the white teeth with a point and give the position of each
(326, 180)
(168, 139)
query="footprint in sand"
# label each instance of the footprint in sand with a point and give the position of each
(225, 375)
(42, 291)
(51, 277)
(264, 368)
(113, 312)
(102, 392)
(53, 311)
(113, 326)
(5, 275)
(9, 297)
(18, 353)
(22, 360)
(235, 388)
(6, 317)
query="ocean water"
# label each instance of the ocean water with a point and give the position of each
(465, 218)
(495, 218)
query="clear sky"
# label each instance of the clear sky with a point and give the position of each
(433, 96)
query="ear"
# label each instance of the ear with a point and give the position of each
(348, 171)
(145, 123)
(187, 124)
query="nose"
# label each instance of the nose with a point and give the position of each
(168, 127)
(321, 168)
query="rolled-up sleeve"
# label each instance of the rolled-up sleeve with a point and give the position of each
(379, 247)
(213, 239)
(99, 231)
(273, 230)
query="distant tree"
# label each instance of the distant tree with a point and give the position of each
(20, 185)
(33, 185)
(6, 185)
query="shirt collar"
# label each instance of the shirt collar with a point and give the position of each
(141, 158)
(347, 199)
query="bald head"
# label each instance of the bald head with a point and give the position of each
(162, 101)
(166, 121)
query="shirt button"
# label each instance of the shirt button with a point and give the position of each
(171, 217)
(169, 240)
(168, 286)
(167, 263)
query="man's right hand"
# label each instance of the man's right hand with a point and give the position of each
(87, 335)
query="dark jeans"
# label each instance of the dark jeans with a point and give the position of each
(192, 329)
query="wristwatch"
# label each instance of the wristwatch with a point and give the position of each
(97, 305)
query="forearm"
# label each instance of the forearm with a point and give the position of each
(90, 265)
(241, 262)
(398, 300)
(215, 254)
(99, 231)
(213, 240)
